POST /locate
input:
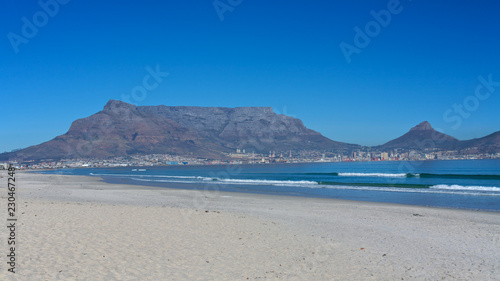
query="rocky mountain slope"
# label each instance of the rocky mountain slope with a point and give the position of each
(124, 129)
(421, 137)
(487, 144)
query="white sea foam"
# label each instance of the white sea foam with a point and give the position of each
(445, 189)
(481, 192)
(372, 175)
(171, 181)
(268, 182)
(232, 181)
(466, 188)
(146, 176)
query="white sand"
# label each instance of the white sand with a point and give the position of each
(78, 228)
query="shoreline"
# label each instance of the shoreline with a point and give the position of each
(256, 195)
(284, 237)
(193, 187)
(255, 163)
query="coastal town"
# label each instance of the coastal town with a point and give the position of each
(241, 156)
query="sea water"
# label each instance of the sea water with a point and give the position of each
(468, 184)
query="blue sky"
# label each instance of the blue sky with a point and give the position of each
(423, 64)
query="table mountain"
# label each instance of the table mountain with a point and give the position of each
(124, 129)
(252, 128)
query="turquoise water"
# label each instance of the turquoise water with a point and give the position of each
(469, 184)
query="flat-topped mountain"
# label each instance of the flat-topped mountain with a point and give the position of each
(421, 137)
(124, 129)
(252, 128)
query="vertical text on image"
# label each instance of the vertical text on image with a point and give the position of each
(11, 219)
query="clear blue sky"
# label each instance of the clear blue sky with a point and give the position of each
(284, 54)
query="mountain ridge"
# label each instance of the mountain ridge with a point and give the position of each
(421, 137)
(211, 132)
(122, 129)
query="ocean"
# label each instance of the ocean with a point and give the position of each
(462, 184)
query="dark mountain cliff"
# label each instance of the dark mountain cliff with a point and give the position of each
(120, 129)
(253, 128)
(124, 129)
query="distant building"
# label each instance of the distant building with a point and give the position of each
(384, 156)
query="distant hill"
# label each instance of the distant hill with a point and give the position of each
(487, 144)
(421, 137)
(124, 129)
(424, 137)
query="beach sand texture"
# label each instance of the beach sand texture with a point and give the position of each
(79, 228)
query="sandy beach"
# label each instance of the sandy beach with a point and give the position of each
(80, 228)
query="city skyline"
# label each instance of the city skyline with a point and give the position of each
(357, 72)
